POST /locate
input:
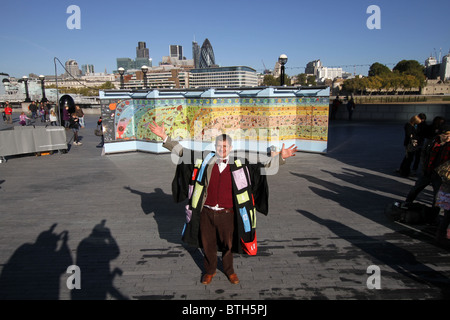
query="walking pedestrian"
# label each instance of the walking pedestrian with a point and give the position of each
(8, 113)
(410, 142)
(46, 112)
(42, 112)
(33, 109)
(66, 117)
(434, 154)
(75, 126)
(421, 129)
(80, 114)
(99, 131)
(350, 108)
(335, 107)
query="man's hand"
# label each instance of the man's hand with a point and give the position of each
(158, 130)
(289, 152)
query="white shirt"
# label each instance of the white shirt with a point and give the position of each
(222, 165)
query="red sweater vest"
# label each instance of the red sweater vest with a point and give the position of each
(220, 190)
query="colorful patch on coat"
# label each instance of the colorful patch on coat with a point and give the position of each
(242, 197)
(240, 179)
(196, 195)
(245, 219)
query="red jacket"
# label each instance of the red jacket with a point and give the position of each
(8, 110)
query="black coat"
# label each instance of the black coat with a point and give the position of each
(258, 189)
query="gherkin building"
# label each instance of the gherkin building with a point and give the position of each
(207, 59)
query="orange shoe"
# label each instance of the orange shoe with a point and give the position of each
(233, 278)
(207, 278)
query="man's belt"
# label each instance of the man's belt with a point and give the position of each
(226, 210)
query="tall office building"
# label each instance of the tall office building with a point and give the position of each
(72, 69)
(196, 54)
(313, 67)
(125, 63)
(139, 62)
(142, 59)
(207, 59)
(142, 56)
(142, 50)
(87, 69)
(176, 51)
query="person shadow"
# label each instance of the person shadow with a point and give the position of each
(94, 254)
(170, 218)
(402, 261)
(34, 270)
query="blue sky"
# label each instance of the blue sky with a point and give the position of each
(242, 32)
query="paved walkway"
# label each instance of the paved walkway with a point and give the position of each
(323, 237)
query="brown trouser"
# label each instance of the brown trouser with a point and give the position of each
(216, 229)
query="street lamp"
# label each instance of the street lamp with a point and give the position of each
(25, 81)
(42, 78)
(121, 72)
(282, 60)
(144, 70)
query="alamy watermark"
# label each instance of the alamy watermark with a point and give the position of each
(374, 280)
(374, 20)
(74, 280)
(74, 20)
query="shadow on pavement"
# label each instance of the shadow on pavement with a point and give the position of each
(33, 272)
(400, 260)
(94, 255)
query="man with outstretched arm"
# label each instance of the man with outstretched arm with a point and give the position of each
(224, 194)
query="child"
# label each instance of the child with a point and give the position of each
(53, 118)
(42, 112)
(24, 120)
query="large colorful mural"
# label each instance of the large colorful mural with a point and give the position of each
(253, 115)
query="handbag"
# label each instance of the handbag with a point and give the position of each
(443, 171)
(412, 146)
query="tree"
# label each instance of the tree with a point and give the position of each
(269, 80)
(378, 69)
(408, 82)
(412, 67)
(375, 84)
(287, 80)
(302, 79)
(311, 80)
(350, 85)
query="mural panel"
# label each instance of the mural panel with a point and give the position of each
(254, 118)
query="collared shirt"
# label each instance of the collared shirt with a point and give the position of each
(222, 163)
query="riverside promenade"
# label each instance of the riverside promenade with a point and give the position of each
(324, 238)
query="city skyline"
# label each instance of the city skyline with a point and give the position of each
(243, 33)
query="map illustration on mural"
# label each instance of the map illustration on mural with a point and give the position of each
(201, 118)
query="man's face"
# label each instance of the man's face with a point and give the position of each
(445, 137)
(223, 148)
